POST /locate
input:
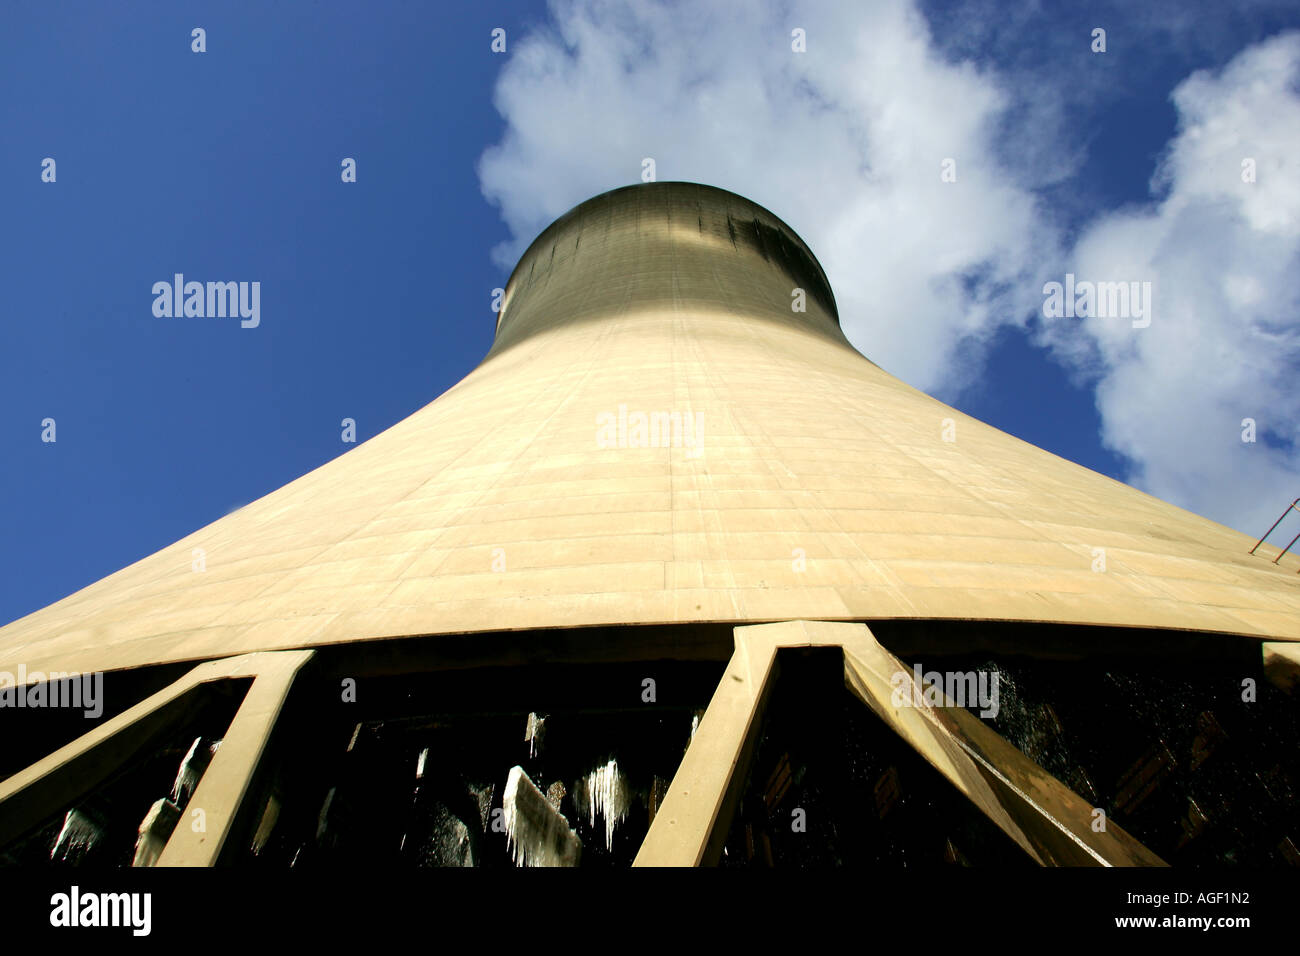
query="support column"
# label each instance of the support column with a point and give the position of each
(1044, 817)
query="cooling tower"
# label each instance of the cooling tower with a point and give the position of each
(730, 566)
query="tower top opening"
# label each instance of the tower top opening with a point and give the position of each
(685, 246)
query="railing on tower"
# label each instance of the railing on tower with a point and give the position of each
(1293, 505)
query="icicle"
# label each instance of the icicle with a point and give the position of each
(191, 770)
(483, 797)
(270, 816)
(155, 830)
(419, 764)
(536, 833)
(533, 733)
(607, 795)
(322, 821)
(80, 832)
(655, 798)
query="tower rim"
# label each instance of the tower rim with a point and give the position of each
(558, 226)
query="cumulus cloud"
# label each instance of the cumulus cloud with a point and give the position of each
(1224, 340)
(845, 142)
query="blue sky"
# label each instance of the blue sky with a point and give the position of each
(376, 295)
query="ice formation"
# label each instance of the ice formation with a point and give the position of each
(534, 732)
(191, 770)
(536, 833)
(270, 816)
(608, 796)
(80, 832)
(155, 830)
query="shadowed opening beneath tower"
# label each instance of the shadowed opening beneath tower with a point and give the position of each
(414, 773)
(831, 785)
(149, 773)
(1181, 754)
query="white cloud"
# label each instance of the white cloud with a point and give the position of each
(844, 142)
(1224, 341)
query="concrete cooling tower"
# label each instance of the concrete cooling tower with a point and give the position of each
(675, 576)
